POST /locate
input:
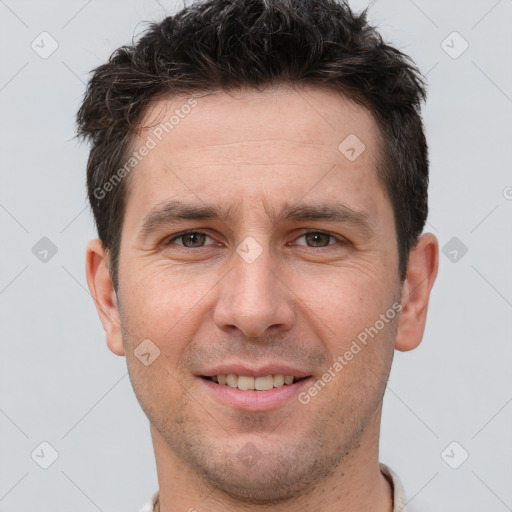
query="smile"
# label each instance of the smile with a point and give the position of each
(263, 393)
(249, 383)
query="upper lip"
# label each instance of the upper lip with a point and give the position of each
(260, 371)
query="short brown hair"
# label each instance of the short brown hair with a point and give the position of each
(232, 44)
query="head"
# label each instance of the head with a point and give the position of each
(285, 138)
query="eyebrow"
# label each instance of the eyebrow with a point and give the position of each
(337, 213)
(174, 211)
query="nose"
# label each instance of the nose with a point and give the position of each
(254, 298)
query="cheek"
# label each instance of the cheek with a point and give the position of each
(157, 389)
(344, 301)
(361, 347)
(347, 313)
(161, 300)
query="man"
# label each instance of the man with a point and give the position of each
(258, 175)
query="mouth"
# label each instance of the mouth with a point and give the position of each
(254, 384)
(248, 387)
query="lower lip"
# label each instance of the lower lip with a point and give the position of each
(255, 400)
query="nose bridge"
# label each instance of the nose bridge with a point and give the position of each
(252, 274)
(251, 297)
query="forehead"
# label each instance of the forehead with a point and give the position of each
(306, 115)
(281, 141)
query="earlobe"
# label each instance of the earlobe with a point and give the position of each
(421, 275)
(103, 293)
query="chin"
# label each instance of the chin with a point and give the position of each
(258, 486)
(253, 476)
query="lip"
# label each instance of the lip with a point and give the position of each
(262, 371)
(254, 400)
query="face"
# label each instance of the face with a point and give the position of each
(253, 245)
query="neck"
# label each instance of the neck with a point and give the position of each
(355, 484)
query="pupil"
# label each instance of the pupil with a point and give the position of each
(316, 237)
(192, 236)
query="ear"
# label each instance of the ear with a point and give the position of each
(421, 274)
(103, 293)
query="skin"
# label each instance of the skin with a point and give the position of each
(296, 303)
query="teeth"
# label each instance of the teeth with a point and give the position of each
(279, 380)
(232, 380)
(246, 382)
(264, 383)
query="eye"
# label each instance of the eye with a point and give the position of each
(190, 239)
(197, 239)
(319, 239)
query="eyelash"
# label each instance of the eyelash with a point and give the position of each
(339, 240)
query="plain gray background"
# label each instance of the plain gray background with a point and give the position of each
(61, 385)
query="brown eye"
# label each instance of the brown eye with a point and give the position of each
(190, 240)
(317, 239)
